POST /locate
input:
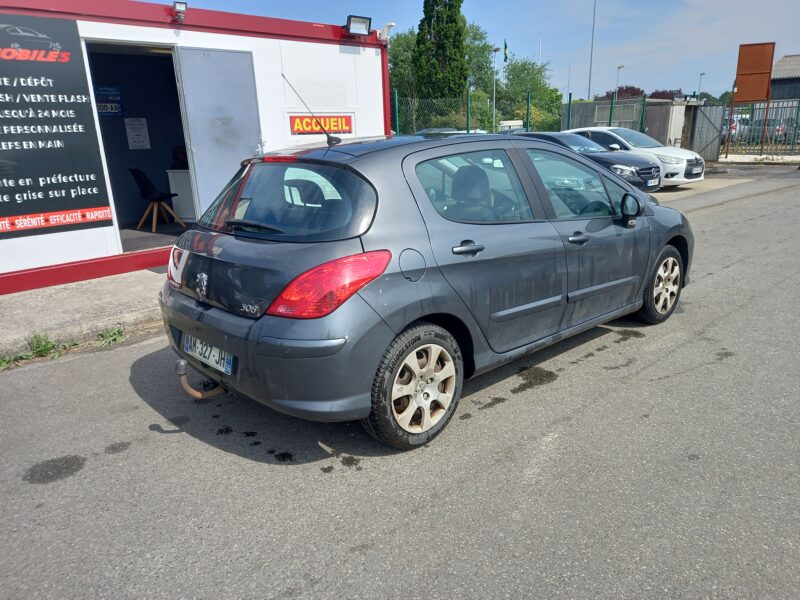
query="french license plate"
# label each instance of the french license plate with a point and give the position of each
(652, 182)
(206, 353)
(697, 169)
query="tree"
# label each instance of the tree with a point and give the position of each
(667, 94)
(624, 91)
(522, 76)
(440, 54)
(401, 63)
(479, 58)
(725, 98)
(709, 98)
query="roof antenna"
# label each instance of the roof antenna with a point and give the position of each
(331, 139)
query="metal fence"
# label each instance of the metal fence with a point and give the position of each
(704, 136)
(762, 128)
(473, 113)
(627, 112)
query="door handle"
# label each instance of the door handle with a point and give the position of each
(577, 238)
(468, 248)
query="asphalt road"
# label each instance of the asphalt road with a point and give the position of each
(629, 462)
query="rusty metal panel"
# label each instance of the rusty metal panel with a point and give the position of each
(754, 72)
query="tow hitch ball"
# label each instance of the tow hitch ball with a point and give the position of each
(181, 368)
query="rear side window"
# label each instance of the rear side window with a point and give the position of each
(294, 202)
(475, 187)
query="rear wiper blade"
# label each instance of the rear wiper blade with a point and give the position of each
(240, 223)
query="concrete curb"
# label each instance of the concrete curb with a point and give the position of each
(131, 322)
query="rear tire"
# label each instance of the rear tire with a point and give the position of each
(417, 387)
(664, 287)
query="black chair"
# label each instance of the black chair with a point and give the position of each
(155, 200)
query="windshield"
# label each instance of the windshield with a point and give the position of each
(636, 139)
(293, 202)
(579, 143)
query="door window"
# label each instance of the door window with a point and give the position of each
(606, 139)
(574, 190)
(475, 187)
(615, 192)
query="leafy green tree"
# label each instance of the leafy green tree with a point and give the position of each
(667, 94)
(624, 91)
(440, 55)
(725, 98)
(479, 58)
(401, 63)
(523, 75)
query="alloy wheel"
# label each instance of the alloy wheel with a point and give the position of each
(667, 285)
(423, 388)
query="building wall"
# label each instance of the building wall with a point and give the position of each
(340, 79)
(785, 89)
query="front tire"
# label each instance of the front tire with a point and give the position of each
(417, 387)
(663, 290)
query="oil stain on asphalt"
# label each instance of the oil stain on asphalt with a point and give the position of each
(533, 377)
(626, 334)
(117, 447)
(54, 469)
(492, 403)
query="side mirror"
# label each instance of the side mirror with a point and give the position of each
(630, 210)
(614, 147)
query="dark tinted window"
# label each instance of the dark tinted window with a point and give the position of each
(573, 189)
(475, 187)
(294, 202)
(605, 140)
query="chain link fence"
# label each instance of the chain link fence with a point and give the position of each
(474, 114)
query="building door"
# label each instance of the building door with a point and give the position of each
(220, 111)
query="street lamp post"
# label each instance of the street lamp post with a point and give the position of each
(700, 84)
(494, 88)
(616, 88)
(591, 53)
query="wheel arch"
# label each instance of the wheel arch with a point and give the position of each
(459, 330)
(682, 246)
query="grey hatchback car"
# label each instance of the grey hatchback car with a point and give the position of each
(368, 280)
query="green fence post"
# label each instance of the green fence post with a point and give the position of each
(796, 127)
(611, 108)
(569, 111)
(396, 112)
(528, 114)
(469, 112)
(643, 115)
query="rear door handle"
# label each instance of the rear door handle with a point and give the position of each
(577, 238)
(468, 248)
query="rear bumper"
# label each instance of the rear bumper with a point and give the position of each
(285, 363)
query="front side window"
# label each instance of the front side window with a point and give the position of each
(605, 140)
(575, 191)
(475, 187)
(293, 202)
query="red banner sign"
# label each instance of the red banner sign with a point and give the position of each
(54, 219)
(306, 125)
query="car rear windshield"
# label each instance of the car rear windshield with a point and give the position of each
(637, 139)
(293, 202)
(579, 143)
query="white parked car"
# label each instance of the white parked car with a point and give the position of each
(678, 165)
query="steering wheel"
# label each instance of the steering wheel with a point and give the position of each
(596, 206)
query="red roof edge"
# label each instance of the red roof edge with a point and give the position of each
(196, 19)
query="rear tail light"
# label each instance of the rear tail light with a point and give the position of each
(177, 260)
(321, 290)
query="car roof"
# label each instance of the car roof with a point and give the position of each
(357, 148)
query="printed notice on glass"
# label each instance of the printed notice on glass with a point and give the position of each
(138, 138)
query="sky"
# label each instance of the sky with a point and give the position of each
(661, 44)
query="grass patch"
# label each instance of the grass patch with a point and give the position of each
(41, 345)
(109, 337)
